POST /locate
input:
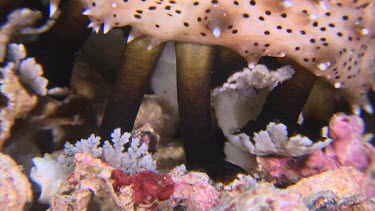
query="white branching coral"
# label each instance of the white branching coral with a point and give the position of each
(136, 158)
(275, 141)
(49, 173)
(252, 79)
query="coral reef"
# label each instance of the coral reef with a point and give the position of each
(290, 164)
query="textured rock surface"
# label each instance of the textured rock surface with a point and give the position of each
(15, 188)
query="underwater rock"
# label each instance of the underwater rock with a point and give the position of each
(327, 200)
(264, 197)
(343, 182)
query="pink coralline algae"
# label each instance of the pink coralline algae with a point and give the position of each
(194, 190)
(343, 182)
(347, 149)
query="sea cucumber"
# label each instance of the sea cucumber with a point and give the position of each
(334, 39)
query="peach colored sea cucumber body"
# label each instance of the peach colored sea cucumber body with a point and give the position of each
(333, 39)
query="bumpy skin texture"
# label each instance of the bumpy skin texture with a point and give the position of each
(333, 39)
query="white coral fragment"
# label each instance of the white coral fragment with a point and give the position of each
(275, 141)
(49, 175)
